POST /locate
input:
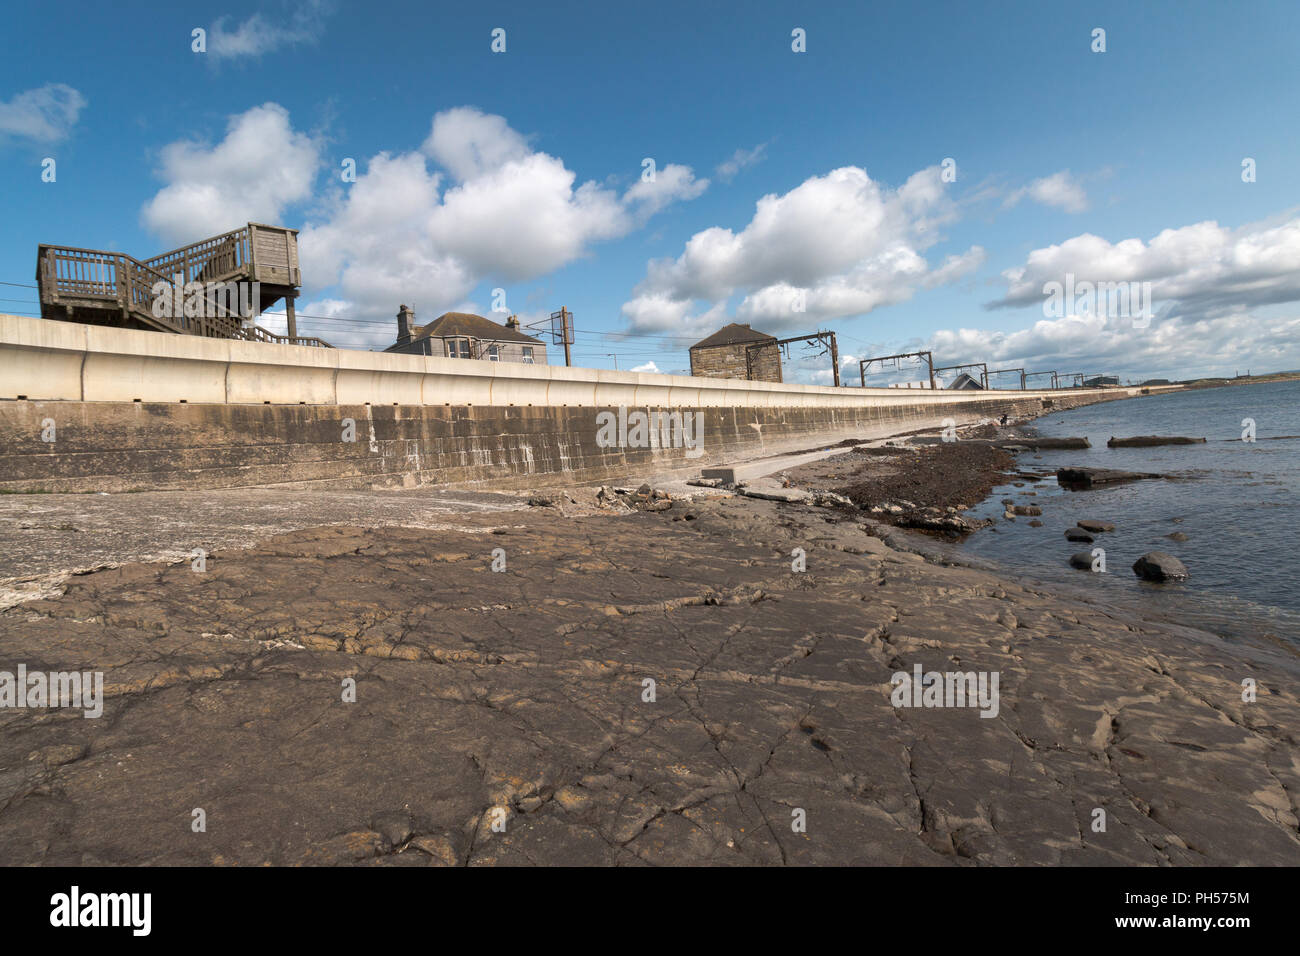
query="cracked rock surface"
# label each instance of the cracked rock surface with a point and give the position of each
(501, 717)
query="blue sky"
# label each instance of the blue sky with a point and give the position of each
(1123, 165)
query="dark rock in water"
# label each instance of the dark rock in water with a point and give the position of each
(1017, 444)
(1079, 478)
(1030, 510)
(1035, 523)
(1081, 560)
(1078, 534)
(1091, 524)
(1147, 441)
(1159, 566)
(1070, 444)
(1176, 536)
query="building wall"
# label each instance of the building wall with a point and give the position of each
(729, 361)
(509, 351)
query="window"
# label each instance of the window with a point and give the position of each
(458, 348)
(494, 355)
(528, 355)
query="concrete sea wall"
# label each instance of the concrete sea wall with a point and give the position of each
(130, 410)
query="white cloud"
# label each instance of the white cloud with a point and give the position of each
(1200, 268)
(469, 143)
(647, 367)
(671, 184)
(838, 244)
(261, 167)
(257, 35)
(1170, 346)
(524, 219)
(45, 114)
(508, 213)
(740, 159)
(1061, 190)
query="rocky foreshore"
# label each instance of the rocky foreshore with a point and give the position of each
(627, 679)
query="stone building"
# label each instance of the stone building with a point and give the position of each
(468, 336)
(727, 353)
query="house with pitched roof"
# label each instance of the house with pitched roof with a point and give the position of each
(468, 336)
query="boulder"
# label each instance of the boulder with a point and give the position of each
(1091, 524)
(1176, 536)
(1078, 478)
(1147, 441)
(1078, 534)
(1081, 560)
(1031, 511)
(1159, 566)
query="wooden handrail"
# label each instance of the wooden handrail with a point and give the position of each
(96, 278)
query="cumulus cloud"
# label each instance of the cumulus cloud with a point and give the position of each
(740, 159)
(258, 35)
(475, 202)
(1203, 268)
(490, 207)
(647, 367)
(1061, 190)
(834, 246)
(45, 114)
(469, 143)
(261, 167)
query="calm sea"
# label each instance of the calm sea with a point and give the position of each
(1235, 501)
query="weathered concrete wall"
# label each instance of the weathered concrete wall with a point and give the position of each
(124, 446)
(134, 410)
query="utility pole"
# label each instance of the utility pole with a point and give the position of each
(567, 329)
(561, 328)
(614, 356)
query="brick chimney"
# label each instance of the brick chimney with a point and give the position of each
(513, 323)
(405, 319)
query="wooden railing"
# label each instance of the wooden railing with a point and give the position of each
(255, 333)
(89, 280)
(209, 259)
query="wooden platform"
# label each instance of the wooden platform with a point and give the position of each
(101, 287)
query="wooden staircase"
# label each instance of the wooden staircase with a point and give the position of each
(99, 287)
